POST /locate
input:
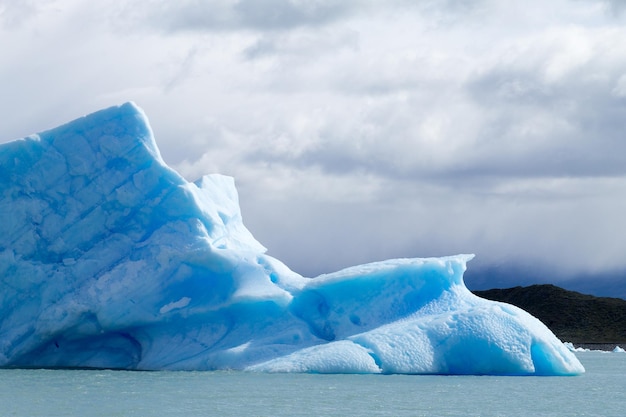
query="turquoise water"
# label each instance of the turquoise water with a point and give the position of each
(599, 392)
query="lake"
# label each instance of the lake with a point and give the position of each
(599, 392)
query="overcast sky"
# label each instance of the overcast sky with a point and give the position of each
(360, 130)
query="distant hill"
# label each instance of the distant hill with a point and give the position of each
(601, 284)
(573, 317)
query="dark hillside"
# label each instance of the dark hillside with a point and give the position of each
(572, 316)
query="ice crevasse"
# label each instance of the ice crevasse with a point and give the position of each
(111, 259)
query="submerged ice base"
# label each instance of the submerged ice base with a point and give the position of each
(110, 259)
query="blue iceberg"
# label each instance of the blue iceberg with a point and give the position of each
(111, 259)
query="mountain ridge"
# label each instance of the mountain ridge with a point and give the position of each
(582, 319)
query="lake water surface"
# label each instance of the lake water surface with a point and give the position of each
(49, 393)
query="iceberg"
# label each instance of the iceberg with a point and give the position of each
(110, 259)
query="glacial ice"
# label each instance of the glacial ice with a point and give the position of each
(110, 259)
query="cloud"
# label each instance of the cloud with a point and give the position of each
(615, 7)
(299, 45)
(220, 15)
(551, 108)
(555, 104)
(14, 14)
(284, 15)
(361, 130)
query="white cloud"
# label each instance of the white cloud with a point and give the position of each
(14, 14)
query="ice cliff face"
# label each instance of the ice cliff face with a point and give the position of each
(109, 258)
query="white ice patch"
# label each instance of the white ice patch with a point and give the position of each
(183, 302)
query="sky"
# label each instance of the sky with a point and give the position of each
(362, 130)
